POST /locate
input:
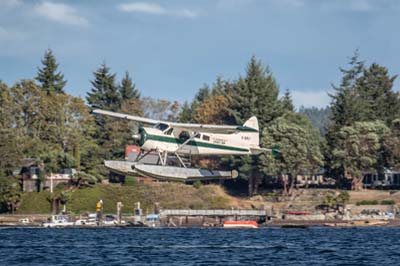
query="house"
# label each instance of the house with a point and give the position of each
(30, 174)
(389, 179)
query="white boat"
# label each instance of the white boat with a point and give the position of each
(59, 221)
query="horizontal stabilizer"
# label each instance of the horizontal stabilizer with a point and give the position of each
(257, 151)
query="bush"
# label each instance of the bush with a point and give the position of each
(130, 181)
(387, 202)
(197, 184)
(367, 202)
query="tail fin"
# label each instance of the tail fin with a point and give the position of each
(252, 123)
(249, 132)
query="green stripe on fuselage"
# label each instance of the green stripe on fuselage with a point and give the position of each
(194, 143)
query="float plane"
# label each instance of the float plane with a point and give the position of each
(176, 140)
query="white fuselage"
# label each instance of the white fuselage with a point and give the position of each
(171, 141)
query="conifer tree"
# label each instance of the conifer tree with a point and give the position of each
(128, 89)
(104, 92)
(346, 106)
(287, 102)
(185, 115)
(255, 94)
(380, 101)
(50, 80)
(202, 95)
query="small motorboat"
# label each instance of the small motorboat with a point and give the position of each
(240, 224)
(59, 221)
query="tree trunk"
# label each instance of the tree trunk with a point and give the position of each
(54, 206)
(250, 181)
(356, 183)
(257, 182)
(292, 179)
(285, 185)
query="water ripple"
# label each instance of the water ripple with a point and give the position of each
(199, 246)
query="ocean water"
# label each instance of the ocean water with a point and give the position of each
(200, 246)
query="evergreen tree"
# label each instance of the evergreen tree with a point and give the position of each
(50, 80)
(255, 94)
(185, 115)
(104, 93)
(287, 102)
(319, 117)
(380, 101)
(346, 109)
(128, 89)
(346, 106)
(202, 95)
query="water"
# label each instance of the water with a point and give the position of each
(200, 246)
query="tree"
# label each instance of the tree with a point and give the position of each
(213, 110)
(10, 194)
(299, 145)
(287, 102)
(185, 115)
(319, 117)
(104, 92)
(358, 150)
(127, 89)
(160, 109)
(201, 95)
(50, 80)
(376, 91)
(391, 146)
(346, 107)
(10, 154)
(256, 94)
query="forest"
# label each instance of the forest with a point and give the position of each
(358, 132)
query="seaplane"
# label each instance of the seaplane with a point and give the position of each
(174, 142)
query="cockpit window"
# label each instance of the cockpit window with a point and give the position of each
(161, 126)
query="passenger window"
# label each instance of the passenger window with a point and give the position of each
(184, 135)
(169, 131)
(197, 136)
(205, 137)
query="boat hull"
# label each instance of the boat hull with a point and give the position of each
(241, 224)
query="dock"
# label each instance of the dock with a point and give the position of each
(175, 217)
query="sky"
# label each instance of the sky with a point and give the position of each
(171, 48)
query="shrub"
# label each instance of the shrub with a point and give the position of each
(130, 180)
(387, 202)
(197, 184)
(367, 202)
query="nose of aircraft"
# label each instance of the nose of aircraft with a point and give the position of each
(141, 137)
(136, 137)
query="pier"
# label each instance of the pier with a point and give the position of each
(209, 217)
(173, 212)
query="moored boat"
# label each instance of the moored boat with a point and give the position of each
(59, 221)
(240, 224)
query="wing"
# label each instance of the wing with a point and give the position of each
(183, 126)
(204, 127)
(127, 117)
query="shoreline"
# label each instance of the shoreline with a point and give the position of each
(270, 224)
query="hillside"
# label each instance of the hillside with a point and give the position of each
(169, 195)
